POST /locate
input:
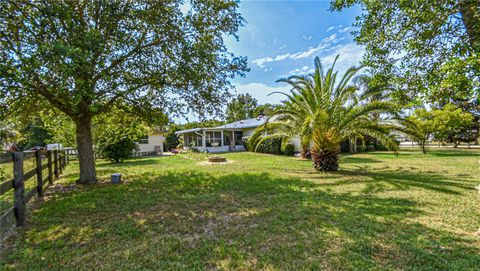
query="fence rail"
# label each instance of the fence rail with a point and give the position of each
(55, 162)
(143, 153)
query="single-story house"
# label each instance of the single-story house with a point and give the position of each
(153, 143)
(224, 138)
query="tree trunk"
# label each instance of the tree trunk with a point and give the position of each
(470, 10)
(325, 160)
(350, 145)
(424, 150)
(85, 151)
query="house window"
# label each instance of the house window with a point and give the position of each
(238, 137)
(226, 139)
(199, 140)
(192, 140)
(143, 140)
(213, 139)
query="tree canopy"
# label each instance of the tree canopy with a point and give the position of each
(440, 124)
(84, 57)
(241, 107)
(419, 43)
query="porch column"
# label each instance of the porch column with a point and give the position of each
(221, 136)
(232, 140)
(204, 140)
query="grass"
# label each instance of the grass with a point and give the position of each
(6, 174)
(261, 212)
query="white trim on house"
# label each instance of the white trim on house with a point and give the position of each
(224, 138)
(201, 139)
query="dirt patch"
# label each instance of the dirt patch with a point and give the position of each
(207, 163)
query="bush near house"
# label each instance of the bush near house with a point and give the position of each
(271, 145)
(119, 151)
(171, 141)
(288, 149)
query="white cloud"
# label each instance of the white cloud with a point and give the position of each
(284, 46)
(260, 92)
(325, 43)
(346, 29)
(350, 54)
(282, 57)
(306, 37)
(303, 70)
(261, 61)
(330, 28)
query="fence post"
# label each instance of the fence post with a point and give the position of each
(19, 188)
(60, 165)
(50, 167)
(38, 158)
(55, 163)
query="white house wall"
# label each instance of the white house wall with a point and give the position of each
(153, 141)
(248, 132)
(296, 143)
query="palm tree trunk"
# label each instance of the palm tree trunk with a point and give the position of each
(305, 153)
(326, 160)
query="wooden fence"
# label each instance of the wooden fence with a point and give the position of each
(143, 153)
(45, 165)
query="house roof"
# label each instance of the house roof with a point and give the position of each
(237, 125)
(244, 124)
(188, 131)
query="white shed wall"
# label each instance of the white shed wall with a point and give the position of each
(153, 141)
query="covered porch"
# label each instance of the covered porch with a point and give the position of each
(212, 139)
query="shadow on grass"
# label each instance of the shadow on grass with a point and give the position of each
(237, 221)
(357, 160)
(451, 153)
(140, 161)
(402, 179)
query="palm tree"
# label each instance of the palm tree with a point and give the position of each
(323, 112)
(371, 88)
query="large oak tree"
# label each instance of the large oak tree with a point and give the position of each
(84, 57)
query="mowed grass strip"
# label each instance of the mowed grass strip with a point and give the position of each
(260, 212)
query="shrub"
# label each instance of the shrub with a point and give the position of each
(247, 144)
(344, 146)
(171, 141)
(119, 151)
(370, 147)
(289, 149)
(271, 145)
(361, 148)
(380, 147)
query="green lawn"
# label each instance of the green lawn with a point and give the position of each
(261, 212)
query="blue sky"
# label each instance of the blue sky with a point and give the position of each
(281, 38)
